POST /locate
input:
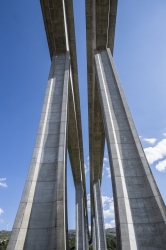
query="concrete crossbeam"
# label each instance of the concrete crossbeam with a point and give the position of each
(139, 208)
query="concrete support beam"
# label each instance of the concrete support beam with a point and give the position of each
(93, 230)
(75, 144)
(100, 240)
(78, 174)
(81, 230)
(100, 29)
(73, 140)
(111, 24)
(98, 138)
(41, 221)
(54, 20)
(86, 231)
(59, 25)
(139, 209)
(97, 150)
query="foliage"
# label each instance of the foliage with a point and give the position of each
(90, 247)
(3, 245)
(111, 243)
(110, 238)
(72, 243)
(4, 237)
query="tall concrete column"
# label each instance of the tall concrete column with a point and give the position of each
(99, 220)
(81, 230)
(140, 212)
(41, 221)
(93, 232)
(86, 232)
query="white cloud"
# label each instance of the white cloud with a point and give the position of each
(1, 221)
(106, 199)
(88, 202)
(108, 207)
(103, 169)
(161, 166)
(106, 167)
(1, 211)
(157, 152)
(2, 183)
(164, 134)
(150, 140)
(108, 172)
(110, 225)
(105, 159)
(86, 167)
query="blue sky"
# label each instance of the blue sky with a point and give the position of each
(140, 58)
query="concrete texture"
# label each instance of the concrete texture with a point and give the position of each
(59, 25)
(100, 29)
(94, 233)
(99, 220)
(139, 209)
(41, 221)
(81, 231)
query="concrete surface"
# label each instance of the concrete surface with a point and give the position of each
(41, 221)
(99, 219)
(139, 209)
(100, 30)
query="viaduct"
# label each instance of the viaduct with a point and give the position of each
(140, 213)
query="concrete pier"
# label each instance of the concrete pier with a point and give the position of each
(100, 30)
(139, 208)
(99, 220)
(41, 221)
(94, 233)
(81, 230)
